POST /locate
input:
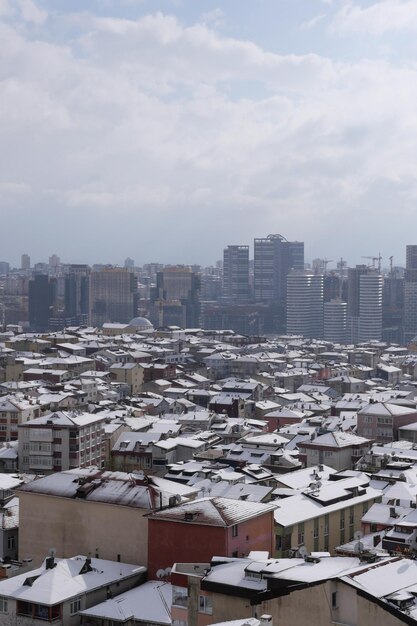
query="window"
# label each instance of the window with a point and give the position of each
(300, 533)
(326, 525)
(179, 596)
(10, 542)
(334, 600)
(3, 604)
(75, 606)
(205, 605)
(234, 530)
(342, 520)
(316, 528)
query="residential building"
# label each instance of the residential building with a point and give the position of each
(322, 516)
(380, 421)
(89, 511)
(60, 588)
(208, 526)
(316, 590)
(338, 449)
(305, 305)
(61, 441)
(335, 321)
(130, 373)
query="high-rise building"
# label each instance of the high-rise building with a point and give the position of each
(370, 306)
(274, 258)
(77, 293)
(305, 304)
(335, 321)
(175, 301)
(113, 296)
(25, 262)
(129, 263)
(42, 301)
(236, 273)
(410, 294)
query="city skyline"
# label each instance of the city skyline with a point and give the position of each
(162, 121)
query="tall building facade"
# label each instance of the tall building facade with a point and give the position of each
(335, 321)
(370, 306)
(113, 296)
(42, 301)
(274, 258)
(364, 307)
(175, 301)
(236, 273)
(77, 293)
(305, 304)
(410, 294)
(25, 262)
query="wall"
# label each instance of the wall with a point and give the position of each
(75, 527)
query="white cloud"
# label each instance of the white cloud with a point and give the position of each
(377, 19)
(31, 12)
(146, 133)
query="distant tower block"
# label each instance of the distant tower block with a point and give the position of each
(335, 321)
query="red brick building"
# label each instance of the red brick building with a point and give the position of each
(195, 531)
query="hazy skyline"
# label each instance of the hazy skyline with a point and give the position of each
(165, 130)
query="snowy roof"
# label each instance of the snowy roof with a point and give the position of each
(336, 439)
(214, 511)
(65, 580)
(150, 603)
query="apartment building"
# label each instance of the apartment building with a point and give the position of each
(61, 441)
(322, 516)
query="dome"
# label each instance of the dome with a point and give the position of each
(141, 324)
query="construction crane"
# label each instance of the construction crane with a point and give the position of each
(374, 259)
(325, 263)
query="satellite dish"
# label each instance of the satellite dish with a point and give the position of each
(160, 573)
(52, 552)
(168, 571)
(358, 535)
(359, 547)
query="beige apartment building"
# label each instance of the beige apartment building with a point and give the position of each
(318, 592)
(91, 512)
(321, 518)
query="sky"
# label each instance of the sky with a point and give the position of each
(165, 130)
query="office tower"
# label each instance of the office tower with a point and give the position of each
(410, 294)
(77, 294)
(305, 304)
(274, 258)
(335, 321)
(54, 261)
(393, 307)
(175, 301)
(364, 308)
(370, 306)
(4, 268)
(25, 262)
(353, 302)
(113, 296)
(42, 301)
(236, 273)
